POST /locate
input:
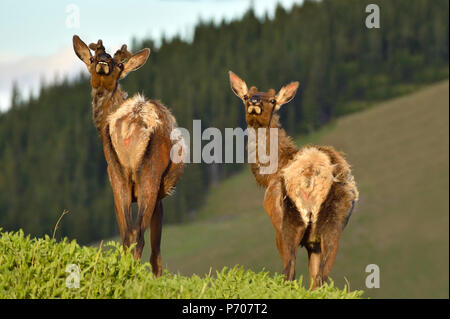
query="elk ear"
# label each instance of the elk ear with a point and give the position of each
(82, 50)
(286, 94)
(135, 62)
(238, 85)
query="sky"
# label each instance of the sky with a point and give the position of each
(36, 36)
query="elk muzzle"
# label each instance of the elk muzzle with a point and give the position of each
(104, 64)
(102, 68)
(254, 109)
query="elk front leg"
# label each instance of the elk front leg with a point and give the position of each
(155, 239)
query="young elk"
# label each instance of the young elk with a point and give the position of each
(135, 133)
(310, 197)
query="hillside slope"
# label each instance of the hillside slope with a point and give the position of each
(399, 153)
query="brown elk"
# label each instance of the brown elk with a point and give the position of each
(310, 197)
(136, 137)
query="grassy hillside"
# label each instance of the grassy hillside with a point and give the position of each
(37, 268)
(399, 152)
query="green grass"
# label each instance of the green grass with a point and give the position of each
(399, 153)
(36, 268)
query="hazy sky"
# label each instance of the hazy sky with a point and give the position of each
(36, 36)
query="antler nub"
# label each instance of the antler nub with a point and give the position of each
(122, 54)
(98, 48)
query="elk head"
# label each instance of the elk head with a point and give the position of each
(105, 70)
(260, 106)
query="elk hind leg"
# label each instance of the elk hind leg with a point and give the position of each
(329, 247)
(288, 229)
(314, 259)
(155, 239)
(330, 234)
(293, 230)
(147, 202)
(122, 203)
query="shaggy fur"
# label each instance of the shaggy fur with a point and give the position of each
(308, 179)
(130, 129)
(342, 171)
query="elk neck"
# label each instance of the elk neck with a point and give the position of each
(286, 151)
(104, 103)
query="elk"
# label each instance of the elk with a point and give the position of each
(136, 138)
(311, 195)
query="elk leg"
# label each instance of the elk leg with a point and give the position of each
(330, 230)
(293, 230)
(280, 247)
(289, 229)
(273, 205)
(147, 201)
(288, 254)
(289, 269)
(329, 247)
(122, 203)
(314, 258)
(155, 239)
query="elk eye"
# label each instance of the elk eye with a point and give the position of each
(273, 101)
(91, 59)
(120, 65)
(246, 97)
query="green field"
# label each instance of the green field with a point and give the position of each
(38, 268)
(399, 153)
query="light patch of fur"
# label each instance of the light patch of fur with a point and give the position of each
(130, 129)
(97, 106)
(171, 191)
(351, 184)
(100, 97)
(179, 149)
(308, 179)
